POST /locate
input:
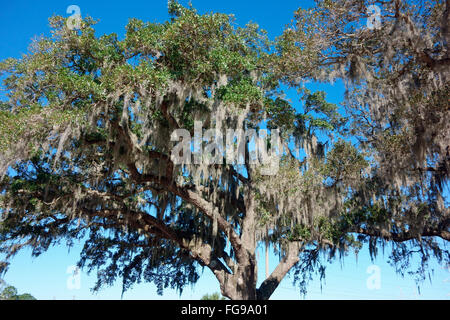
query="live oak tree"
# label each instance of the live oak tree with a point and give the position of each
(86, 150)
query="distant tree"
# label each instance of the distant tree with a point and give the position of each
(213, 296)
(25, 296)
(86, 149)
(10, 293)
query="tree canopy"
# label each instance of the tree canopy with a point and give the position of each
(8, 292)
(87, 144)
(212, 296)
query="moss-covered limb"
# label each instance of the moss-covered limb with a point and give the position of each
(35, 123)
(52, 224)
(374, 221)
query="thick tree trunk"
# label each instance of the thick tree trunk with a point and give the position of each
(242, 284)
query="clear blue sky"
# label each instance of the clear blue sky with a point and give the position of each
(46, 276)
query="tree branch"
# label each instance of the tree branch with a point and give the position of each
(210, 211)
(404, 236)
